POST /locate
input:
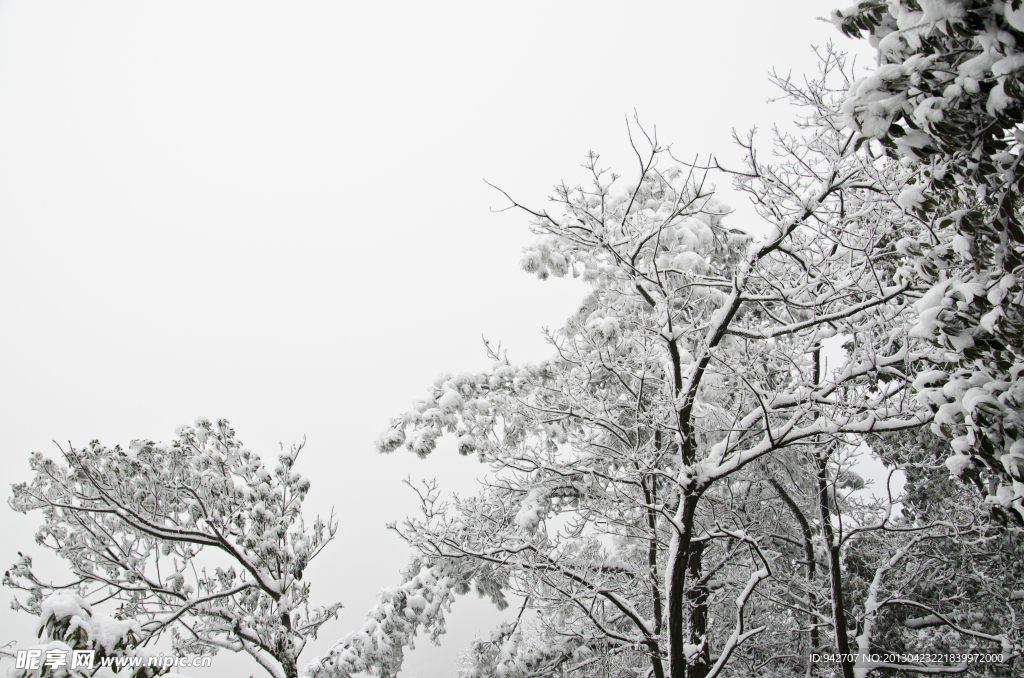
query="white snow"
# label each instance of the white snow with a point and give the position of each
(450, 401)
(911, 198)
(958, 463)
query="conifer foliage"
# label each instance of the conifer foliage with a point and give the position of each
(946, 98)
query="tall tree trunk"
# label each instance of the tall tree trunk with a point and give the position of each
(697, 597)
(283, 652)
(675, 574)
(835, 574)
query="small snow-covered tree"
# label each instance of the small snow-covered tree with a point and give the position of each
(622, 466)
(67, 623)
(195, 538)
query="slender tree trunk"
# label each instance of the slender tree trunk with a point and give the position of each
(652, 644)
(805, 530)
(650, 487)
(835, 574)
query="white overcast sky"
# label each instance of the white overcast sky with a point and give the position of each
(275, 212)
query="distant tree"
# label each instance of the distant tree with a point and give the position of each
(936, 572)
(195, 538)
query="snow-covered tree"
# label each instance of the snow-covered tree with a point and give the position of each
(195, 538)
(946, 99)
(696, 358)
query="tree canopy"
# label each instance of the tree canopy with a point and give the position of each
(195, 538)
(674, 493)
